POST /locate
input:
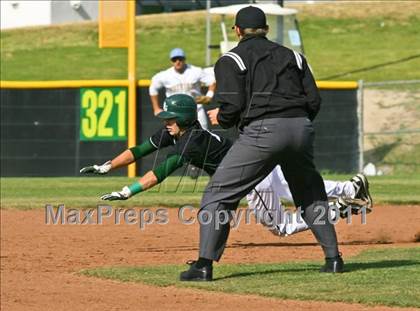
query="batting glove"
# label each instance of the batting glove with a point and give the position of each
(97, 169)
(124, 194)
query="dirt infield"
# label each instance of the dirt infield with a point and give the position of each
(40, 263)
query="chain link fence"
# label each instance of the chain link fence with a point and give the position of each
(391, 126)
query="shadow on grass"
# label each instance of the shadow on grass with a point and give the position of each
(270, 271)
(355, 266)
(379, 153)
(349, 267)
(286, 244)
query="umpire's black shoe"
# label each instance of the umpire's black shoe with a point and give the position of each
(333, 265)
(197, 274)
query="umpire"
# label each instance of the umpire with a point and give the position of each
(269, 93)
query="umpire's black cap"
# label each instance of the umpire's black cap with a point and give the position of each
(250, 17)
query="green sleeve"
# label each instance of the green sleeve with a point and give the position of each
(143, 149)
(167, 167)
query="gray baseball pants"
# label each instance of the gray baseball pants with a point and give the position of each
(260, 147)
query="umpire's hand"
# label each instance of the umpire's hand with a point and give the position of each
(213, 116)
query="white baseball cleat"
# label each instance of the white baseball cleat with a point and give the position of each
(354, 206)
(361, 188)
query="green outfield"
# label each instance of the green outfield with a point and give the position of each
(333, 45)
(81, 192)
(378, 277)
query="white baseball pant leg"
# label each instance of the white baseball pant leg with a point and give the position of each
(334, 189)
(265, 202)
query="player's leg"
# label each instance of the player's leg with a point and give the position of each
(355, 188)
(334, 189)
(264, 201)
(280, 184)
(354, 192)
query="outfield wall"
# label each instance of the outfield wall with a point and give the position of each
(51, 128)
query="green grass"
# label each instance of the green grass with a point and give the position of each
(378, 277)
(332, 45)
(396, 154)
(79, 192)
(338, 46)
(26, 193)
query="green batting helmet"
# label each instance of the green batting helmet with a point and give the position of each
(180, 107)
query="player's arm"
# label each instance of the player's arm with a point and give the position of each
(149, 180)
(210, 82)
(125, 158)
(155, 85)
(155, 104)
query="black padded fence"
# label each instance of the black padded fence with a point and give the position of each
(337, 132)
(40, 133)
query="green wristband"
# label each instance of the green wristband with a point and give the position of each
(135, 188)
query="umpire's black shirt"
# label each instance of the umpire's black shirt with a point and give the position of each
(260, 79)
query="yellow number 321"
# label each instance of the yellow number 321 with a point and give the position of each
(98, 116)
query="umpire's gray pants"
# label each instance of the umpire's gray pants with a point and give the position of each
(260, 147)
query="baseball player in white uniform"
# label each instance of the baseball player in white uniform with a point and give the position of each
(265, 201)
(183, 78)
